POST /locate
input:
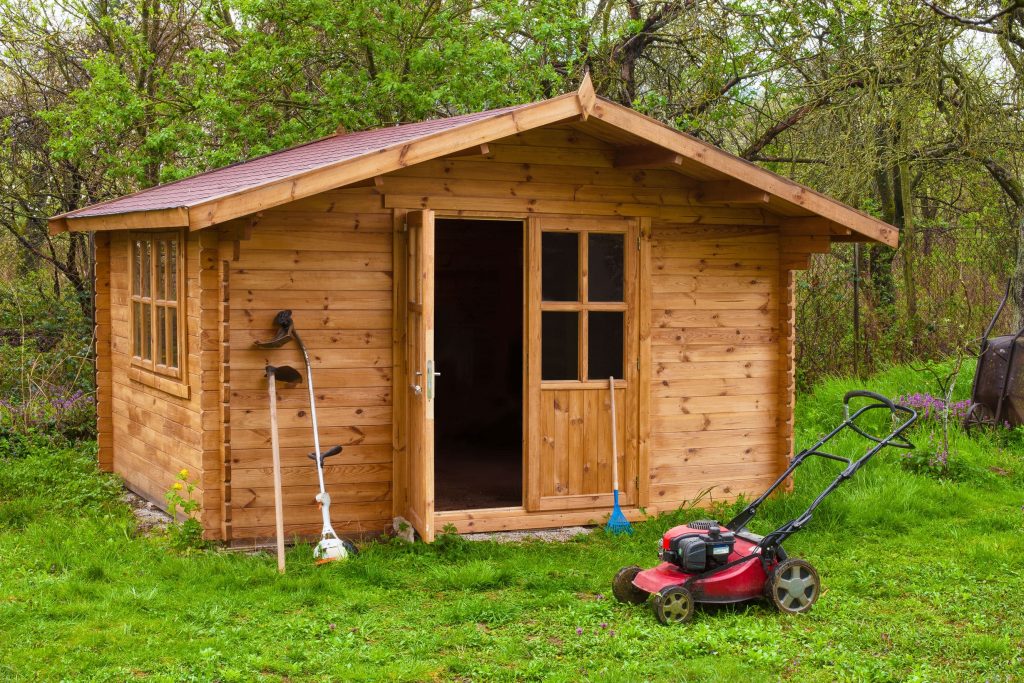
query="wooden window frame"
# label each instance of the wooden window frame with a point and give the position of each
(148, 370)
(583, 306)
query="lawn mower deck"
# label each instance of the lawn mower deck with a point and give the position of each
(707, 562)
(741, 580)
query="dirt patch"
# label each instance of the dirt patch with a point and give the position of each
(549, 535)
(150, 519)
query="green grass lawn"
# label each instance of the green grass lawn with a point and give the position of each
(923, 580)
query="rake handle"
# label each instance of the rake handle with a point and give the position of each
(615, 439)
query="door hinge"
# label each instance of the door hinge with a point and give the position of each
(638, 242)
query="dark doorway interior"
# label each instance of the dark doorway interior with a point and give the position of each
(478, 341)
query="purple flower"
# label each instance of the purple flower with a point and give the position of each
(579, 631)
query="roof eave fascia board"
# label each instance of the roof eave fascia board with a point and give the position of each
(177, 217)
(242, 202)
(740, 169)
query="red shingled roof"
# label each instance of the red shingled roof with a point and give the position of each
(227, 193)
(276, 166)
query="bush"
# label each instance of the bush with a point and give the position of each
(50, 409)
(46, 371)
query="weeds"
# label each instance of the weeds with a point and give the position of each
(184, 534)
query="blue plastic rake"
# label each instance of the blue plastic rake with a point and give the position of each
(617, 522)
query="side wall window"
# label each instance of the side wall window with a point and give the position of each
(156, 293)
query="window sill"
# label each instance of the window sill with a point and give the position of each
(165, 384)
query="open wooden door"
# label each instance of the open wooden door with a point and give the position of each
(420, 373)
(582, 329)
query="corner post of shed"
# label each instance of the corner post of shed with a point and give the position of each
(786, 367)
(102, 351)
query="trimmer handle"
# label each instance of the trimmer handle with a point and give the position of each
(326, 454)
(283, 318)
(285, 332)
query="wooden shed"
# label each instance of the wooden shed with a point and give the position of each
(523, 254)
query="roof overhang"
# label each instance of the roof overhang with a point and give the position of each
(673, 148)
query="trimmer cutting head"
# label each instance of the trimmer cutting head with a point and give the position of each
(332, 550)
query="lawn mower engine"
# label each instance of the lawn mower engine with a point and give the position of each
(701, 546)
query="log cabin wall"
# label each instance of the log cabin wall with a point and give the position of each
(711, 358)
(715, 353)
(157, 428)
(327, 258)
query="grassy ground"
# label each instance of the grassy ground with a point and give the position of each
(922, 575)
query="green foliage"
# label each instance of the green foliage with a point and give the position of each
(916, 571)
(46, 374)
(850, 97)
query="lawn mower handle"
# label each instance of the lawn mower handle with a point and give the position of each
(772, 541)
(895, 439)
(862, 393)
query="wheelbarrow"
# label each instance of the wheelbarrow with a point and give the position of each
(997, 394)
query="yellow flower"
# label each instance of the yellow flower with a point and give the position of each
(178, 486)
(183, 474)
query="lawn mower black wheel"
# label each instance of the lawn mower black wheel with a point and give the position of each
(623, 588)
(793, 586)
(673, 605)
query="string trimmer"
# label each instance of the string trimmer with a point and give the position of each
(331, 547)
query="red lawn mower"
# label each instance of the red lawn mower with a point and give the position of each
(704, 562)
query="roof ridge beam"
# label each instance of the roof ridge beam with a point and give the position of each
(586, 96)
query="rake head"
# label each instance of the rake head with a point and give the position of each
(617, 522)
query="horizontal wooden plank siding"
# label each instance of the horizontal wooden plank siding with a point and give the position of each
(155, 434)
(715, 362)
(714, 334)
(328, 259)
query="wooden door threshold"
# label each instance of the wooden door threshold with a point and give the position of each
(519, 518)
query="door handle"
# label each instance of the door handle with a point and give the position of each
(431, 375)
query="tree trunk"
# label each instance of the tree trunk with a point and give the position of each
(905, 222)
(883, 289)
(1017, 288)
